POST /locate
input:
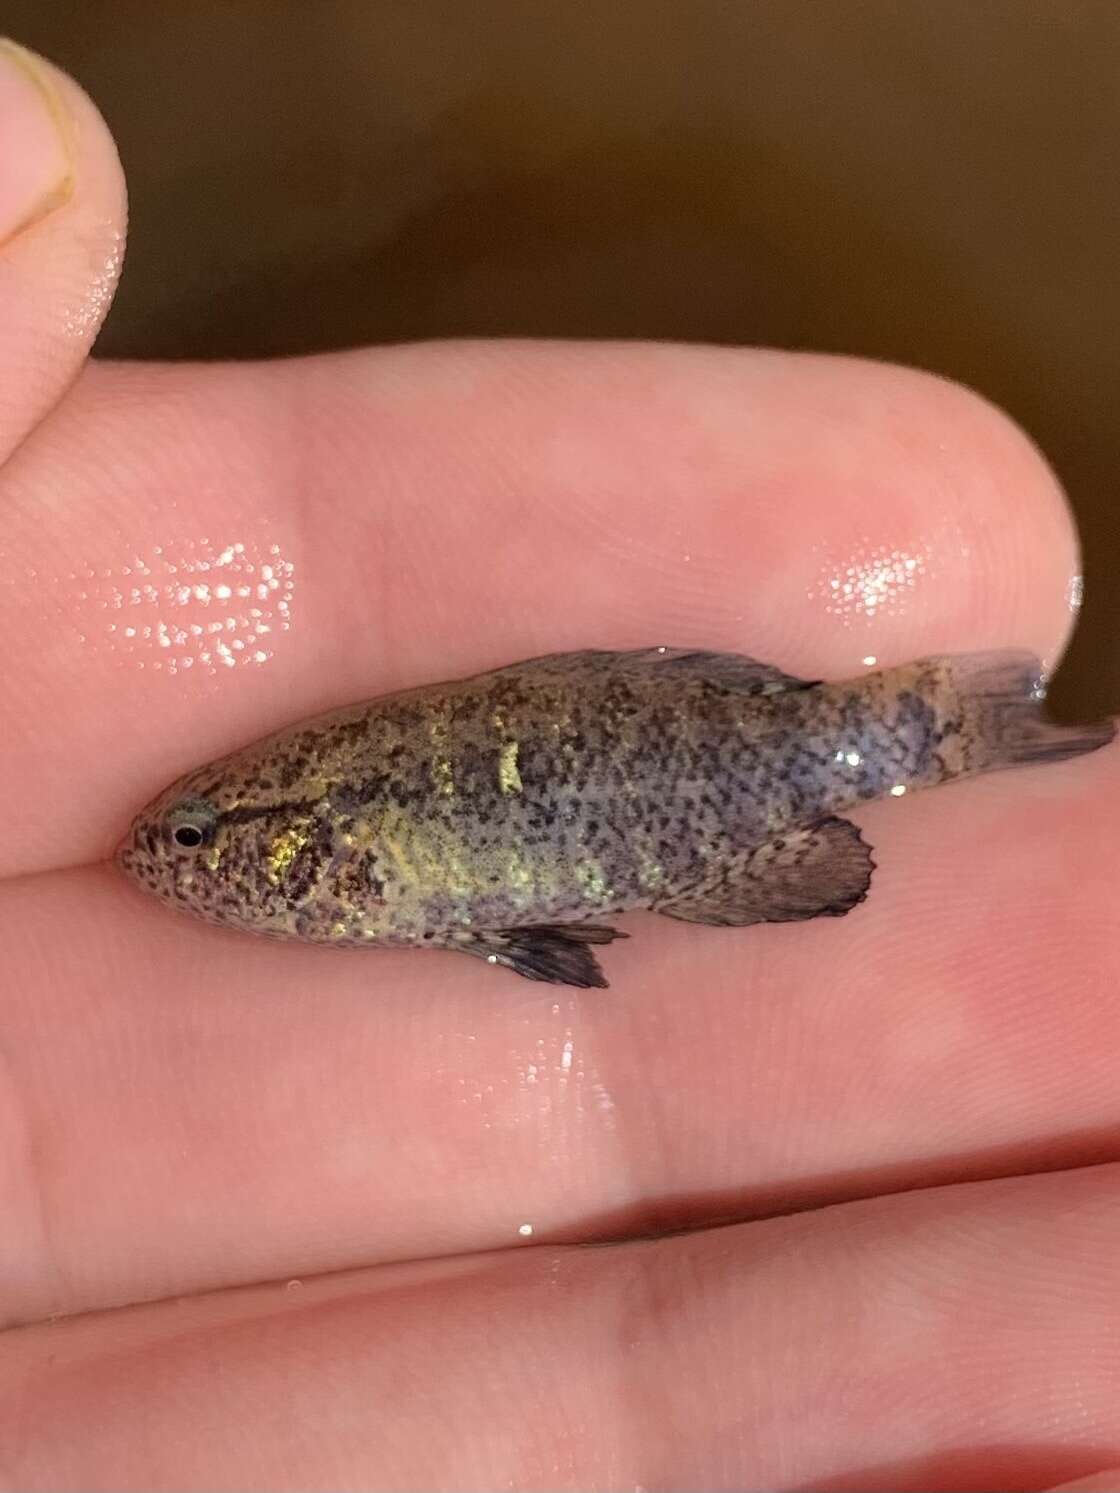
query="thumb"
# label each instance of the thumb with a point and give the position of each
(62, 221)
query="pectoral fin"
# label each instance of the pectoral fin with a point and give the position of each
(557, 954)
(821, 871)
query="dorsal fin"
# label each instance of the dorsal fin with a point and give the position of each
(733, 671)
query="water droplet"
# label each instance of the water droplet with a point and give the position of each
(153, 583)
(873, 582)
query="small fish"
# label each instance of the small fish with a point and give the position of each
(506, 815)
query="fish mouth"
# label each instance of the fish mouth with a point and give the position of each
(131, 850)
(128, 860)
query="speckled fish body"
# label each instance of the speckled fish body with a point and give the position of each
(508, 814)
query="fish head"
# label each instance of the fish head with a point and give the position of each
(248, 861)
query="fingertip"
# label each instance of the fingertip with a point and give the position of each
(62, 223)
(1015, 519)
(946, 528)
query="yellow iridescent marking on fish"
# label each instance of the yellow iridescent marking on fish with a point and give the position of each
(521, 885)
(591, 877)
(283, 851)
(393, 847)
(360, 835)
(338, 930)
(427, 857)
(460, 882)
(509, 777)
(443, 776)
(213, 859)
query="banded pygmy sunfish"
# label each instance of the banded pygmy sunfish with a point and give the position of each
(508, 814)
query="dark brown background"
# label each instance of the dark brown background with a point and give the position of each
(934, 183)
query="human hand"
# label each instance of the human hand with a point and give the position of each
(346, 1191)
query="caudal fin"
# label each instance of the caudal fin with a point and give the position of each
(1002, 697)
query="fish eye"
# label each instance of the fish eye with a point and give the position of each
(191, 824)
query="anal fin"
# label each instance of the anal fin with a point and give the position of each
(821, 871)
(557, 954)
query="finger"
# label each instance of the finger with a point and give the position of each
(62, 215)
(958, 1338)
(190, 1108)
(244, 545)
(437, 1112)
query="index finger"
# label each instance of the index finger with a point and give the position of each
(192, 556)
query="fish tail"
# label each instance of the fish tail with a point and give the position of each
(1001, 697)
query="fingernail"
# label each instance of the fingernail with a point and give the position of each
(36, 163)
